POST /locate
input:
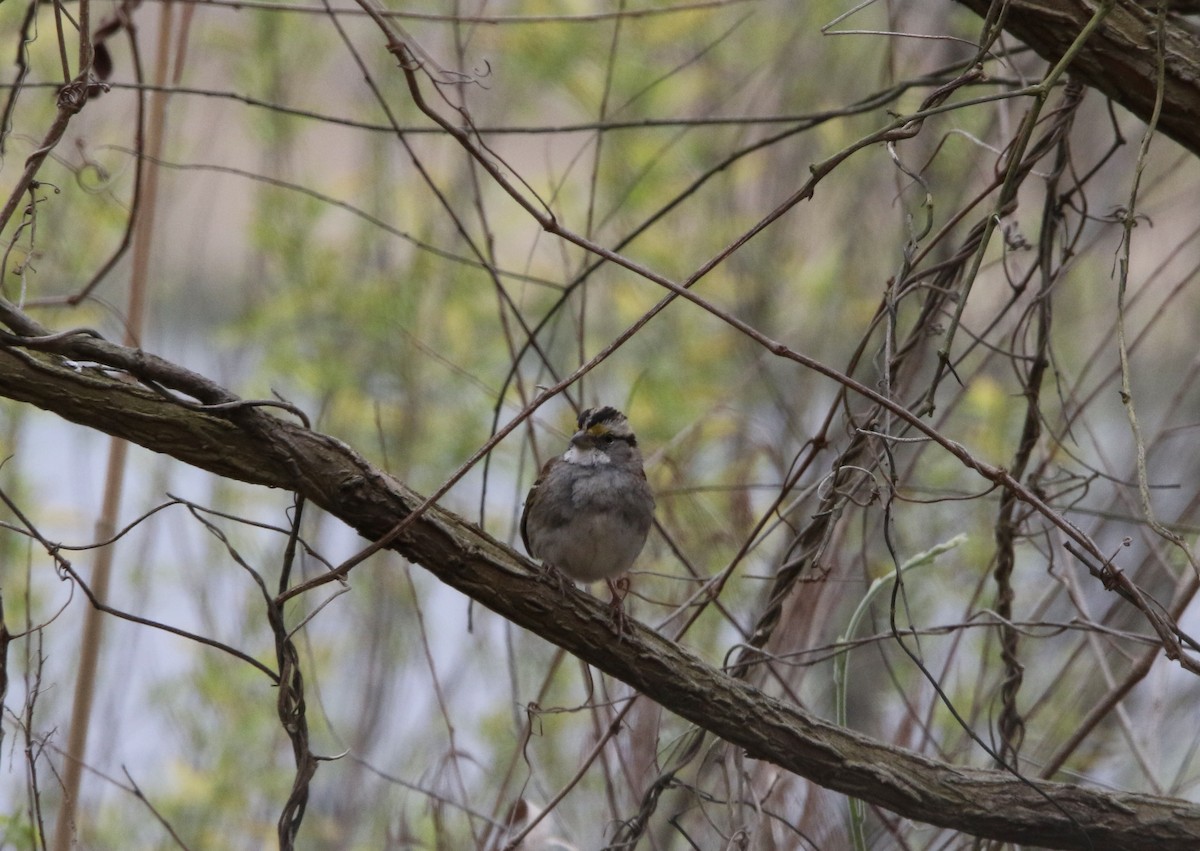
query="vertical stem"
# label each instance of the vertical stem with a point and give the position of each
(5, 638)
(93, 624)
(89, 650)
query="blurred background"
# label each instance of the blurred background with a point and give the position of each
(311, 234)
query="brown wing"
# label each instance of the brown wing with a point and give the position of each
(529, 500)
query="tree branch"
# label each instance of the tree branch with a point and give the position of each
(1120, 59)
(249, 444)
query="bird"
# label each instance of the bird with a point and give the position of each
(591, 508)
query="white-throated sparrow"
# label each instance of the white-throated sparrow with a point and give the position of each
(590, 509)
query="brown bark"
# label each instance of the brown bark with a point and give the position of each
(1121, 58)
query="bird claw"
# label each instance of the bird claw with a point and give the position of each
(616, 607)
(557, 578)
(619, 588)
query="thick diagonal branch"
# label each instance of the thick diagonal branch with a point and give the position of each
(1120, 59)
(251, 445)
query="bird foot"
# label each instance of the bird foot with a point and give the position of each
(557, 578)
(616, 607)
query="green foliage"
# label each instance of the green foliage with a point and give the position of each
(16, 832)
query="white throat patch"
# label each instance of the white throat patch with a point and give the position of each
(586, 457)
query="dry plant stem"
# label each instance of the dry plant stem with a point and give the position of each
(90, 638)
(811, 538)
(525, 731)
(1013, 178)
(440, 695)
(506, 308)
(65, 568)
(125, 13)
(901, 128)
(5, 640)
(18, 83)
(1115, 579)
(34, 661)
(251, 445)
(1011, 726)
(71, 99)
(290, 705)
(1085, 727)
(584, 764)
(294, 719)
(137, 792)
(91, 642)
(1143, 664)
(1130, 217)
(807, 120)
(750, 655)
(87, 52)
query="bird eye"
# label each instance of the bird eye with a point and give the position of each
(608, 440)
